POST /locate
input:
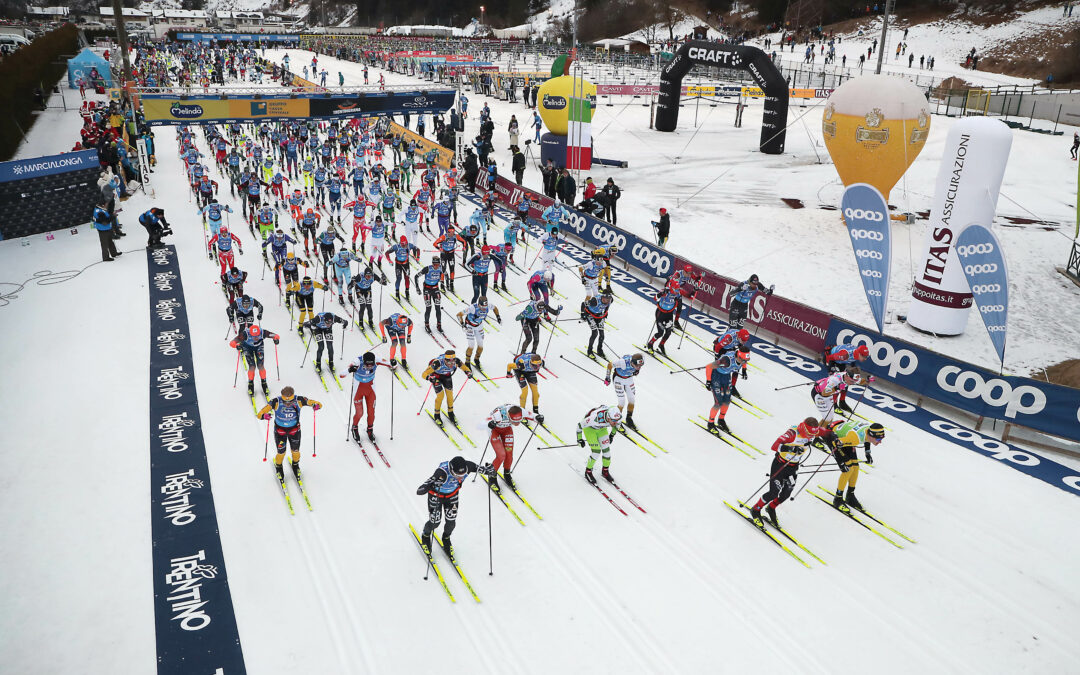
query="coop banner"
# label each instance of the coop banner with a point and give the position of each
(1031, 403)
(983, 262)
(866, 216)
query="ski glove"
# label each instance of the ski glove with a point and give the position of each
(408, 340)
(277, 341)
(317, 405)
(384, 339)
(744, 376)
(352, 368)
(491, 424)
(498, 319)
(581, 442)
(423, 489)
(869, 458)
(607, 381)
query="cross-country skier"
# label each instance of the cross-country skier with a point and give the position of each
(598, 429)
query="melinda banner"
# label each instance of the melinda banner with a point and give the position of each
(785, 318)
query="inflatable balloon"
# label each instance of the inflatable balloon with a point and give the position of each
(874, 127)
(553, 101)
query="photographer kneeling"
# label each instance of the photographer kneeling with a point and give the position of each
(156, 226)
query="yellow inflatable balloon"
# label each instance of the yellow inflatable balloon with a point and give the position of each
(554, 96)
(874, 127)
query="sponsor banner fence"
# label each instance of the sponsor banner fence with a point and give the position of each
(42, 194)
(193, 612)
(756, 92)
(1019, 400)
(165, 110)
(785, 318)
(1034, 465)
(425, 145)
(647, 89)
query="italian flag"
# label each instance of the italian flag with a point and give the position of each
(579, 134)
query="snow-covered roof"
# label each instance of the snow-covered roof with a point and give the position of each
(48, 11)
(180, 13)
(128, 11)
(226, 14)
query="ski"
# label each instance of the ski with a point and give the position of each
(781, 530)
(876, 519)
(601, 491)
(525, 502)
(595, 359)
(539, 436)
(364, 453)
(462, 432)
(379, 450)
(502, 499)
(303, 492)
(457, 567)
(431, 561)
(747, 402)
(433, 338)
(448, 339)
(442, 428)
(400, 379)
(623, 493)
(638, 432)
(409, 373)
(704, 419)
(284, 490)
(846, 510)
(716, 434)
(322, 379)
(622, 430)
(741, 405)
(760, 526)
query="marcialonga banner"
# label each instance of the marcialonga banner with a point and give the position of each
(425, 145)
(756, 92)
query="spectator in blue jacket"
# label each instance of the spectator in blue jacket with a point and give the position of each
(103, 223)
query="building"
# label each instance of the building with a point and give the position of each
(244, 21)
(133, 18)
(47, 13)
(164, 20)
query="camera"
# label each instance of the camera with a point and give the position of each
(528, 141)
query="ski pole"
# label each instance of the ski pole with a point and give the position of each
(580, 368)
(314, 431)
(277, 362)
(763, 306)
(651, 330)
(686, 370)
(237, 373)
(467, 379)
(348, 420)
(525, 447)
(422, 403)
(801, 384)
(491, 558)
(809, 478)
(266, 444)
(392, 407)
(747, 500)
(682, 330)
(229, 330)
(310, 340)
(482, 456)
(568, 445)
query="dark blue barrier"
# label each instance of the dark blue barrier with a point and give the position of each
(1020, 400)
(42, 194)
(193, 612)
(1036, 466)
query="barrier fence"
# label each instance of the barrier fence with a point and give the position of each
(1024, 401)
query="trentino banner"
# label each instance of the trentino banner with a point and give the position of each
(867, 218)
(983, 263)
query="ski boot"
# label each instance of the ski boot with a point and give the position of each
(838, 499)
(371, 324)
(341, 299)
(649, 344)
(589, 353)
(438, 326)
(251, 387)
(266, 389)
(296, 471)
(630, 421)
(300, 331)
(852, 500)
(393, 364)
(606, 473)
(508, 480)
(451, 416)
(280, 472)
(735, 392)
(504, 285)
(722, 423)
(589, 477)
(425, 542)
(407, 298)
(330, 367)
(712, 428)
(427, 327)
(771, 512)
(842, 405)
(661, 349)
(397, 296)
(370, 433)
(447, 547)
(404, 364)
(318, 367)
(355, 433)
(438, 418)
(755, 514)
(600, 352)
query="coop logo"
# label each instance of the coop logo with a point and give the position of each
(792, 360)
(714, 56)
(861, 214)
(186, 112)
(656, 262)
(575, 222)
(996, 449)
(994, 392)
(554, 102)
(417, 102)
(897, 361)
(605, 235)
